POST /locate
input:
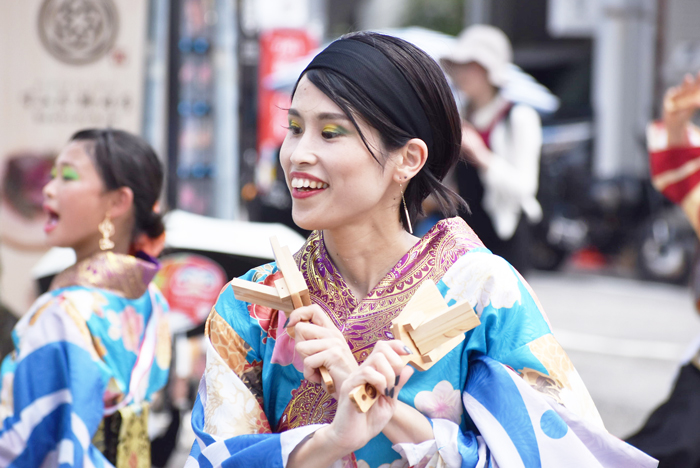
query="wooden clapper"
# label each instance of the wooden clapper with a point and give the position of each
(429, 328)
(289, 293)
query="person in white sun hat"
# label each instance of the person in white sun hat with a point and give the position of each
(501, 142)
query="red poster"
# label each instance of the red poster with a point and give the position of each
(278, 47)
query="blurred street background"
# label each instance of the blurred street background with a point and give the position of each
(207, 83)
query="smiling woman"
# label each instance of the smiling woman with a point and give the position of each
(91, 352)
(373, 130)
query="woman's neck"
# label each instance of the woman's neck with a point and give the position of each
(82, 252)
(364, 255)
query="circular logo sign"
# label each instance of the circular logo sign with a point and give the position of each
(78, 32)
(190, 283)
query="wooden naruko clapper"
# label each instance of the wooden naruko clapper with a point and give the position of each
(428, 327)
(289, 293)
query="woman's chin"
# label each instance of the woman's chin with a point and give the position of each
(307, 223)
(52, 240)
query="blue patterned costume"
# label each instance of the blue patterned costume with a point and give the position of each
(88, 357)
(508, 396)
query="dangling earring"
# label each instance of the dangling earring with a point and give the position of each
(107, 230)
(405, 210)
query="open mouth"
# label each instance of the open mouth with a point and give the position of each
(307, 185)
(52, 220)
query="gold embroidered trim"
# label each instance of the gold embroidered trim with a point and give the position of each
(125, 275)
(365, 322)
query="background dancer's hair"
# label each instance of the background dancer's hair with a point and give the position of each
(126, 160)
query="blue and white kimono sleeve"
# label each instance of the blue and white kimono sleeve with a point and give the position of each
(51, 393)
(75, 353)
(521, 402)
(229, 418)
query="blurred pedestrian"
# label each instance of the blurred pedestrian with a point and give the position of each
(501, 141)
(672, 432)
(91, 352)
(373, 129)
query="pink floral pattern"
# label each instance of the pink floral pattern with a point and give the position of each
(350, 461)
(265, 315)
(127, 325)
(132, 328)
(443, 402)
(284, 352)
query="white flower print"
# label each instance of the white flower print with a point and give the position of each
(481, 279)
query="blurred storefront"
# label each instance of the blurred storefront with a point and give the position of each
(64, 65)
(185, 74)
(223, 126)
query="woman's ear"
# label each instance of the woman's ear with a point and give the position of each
(412, 158)
(121, 201)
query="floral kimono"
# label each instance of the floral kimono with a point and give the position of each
(508, 396)
(88, 357)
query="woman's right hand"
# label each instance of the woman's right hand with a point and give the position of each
(321, 344)
(679, 105)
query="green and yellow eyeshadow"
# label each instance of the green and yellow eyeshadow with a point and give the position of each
(67, 173)
(334, 130)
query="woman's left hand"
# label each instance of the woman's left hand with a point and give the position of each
(351, 429)
(387, 372)
(321, 344)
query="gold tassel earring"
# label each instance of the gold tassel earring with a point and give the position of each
(107, 230)
(405, 210)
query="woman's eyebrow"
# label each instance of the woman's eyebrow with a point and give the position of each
(321, 115)
(332, 116)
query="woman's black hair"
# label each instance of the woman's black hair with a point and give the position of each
(435, 96)
(126, 160)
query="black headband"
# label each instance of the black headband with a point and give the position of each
(383, 82)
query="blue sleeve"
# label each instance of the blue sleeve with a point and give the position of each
(243, 329)
(248, 450)
(57, 391)
(510, 316)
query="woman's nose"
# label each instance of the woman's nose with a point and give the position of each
(49, 190)
(304, 152)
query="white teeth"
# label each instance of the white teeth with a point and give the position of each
(306, 183)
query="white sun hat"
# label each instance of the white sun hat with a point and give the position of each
(486, 45)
